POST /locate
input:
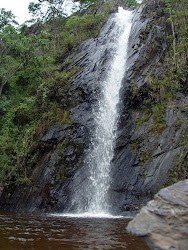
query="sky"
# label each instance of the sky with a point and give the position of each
(20, 8)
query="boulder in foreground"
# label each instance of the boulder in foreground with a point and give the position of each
(163, 222)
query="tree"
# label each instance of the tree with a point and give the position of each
(47, 9)
(6, 17)
(21, 56)
(51, 9)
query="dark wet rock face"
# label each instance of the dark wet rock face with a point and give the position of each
(146, 160)
(164, 221)
(143, 161)
(62, 147)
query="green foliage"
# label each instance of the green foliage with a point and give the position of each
(86, 1)
(55, 115)
(177, 39)
(22, 58)
(77, 29)
(31, 78)
(25, 181)
(135, 145)
(130, 3)
(179, 171)
(161, 89)
(6, 18)
(47, 9)
(84, 27)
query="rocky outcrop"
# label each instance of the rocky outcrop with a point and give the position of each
(146, 158)
(163, 223)
(148, 155)
(62, 147)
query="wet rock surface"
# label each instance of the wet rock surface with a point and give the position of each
(62, 147)
(164, 221)
(144, 161)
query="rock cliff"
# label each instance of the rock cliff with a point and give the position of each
(148, 154)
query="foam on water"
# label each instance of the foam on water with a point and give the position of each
(90, 215)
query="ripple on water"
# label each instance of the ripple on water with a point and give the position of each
(65, 232)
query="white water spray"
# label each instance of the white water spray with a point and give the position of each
(100, 153)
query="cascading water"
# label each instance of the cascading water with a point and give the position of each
(100, 153)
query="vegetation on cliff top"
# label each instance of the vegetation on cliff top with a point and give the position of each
(166, 82)
(31, 75)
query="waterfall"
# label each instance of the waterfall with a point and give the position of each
(100, 152)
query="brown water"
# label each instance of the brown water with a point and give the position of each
(25, 231)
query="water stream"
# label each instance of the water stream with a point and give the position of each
(100, 153)
(92, 227)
